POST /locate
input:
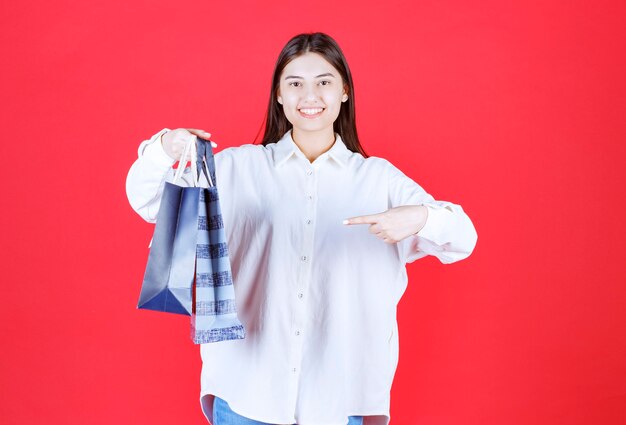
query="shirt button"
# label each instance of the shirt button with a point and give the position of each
(297, 332)
(300, 295)
(293, 370)
(308, 173)
(310, 196)
(308, 222)
(303, 258)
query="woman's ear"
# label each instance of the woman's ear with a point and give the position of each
(345, 93)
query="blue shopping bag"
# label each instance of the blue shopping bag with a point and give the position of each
(188, 270)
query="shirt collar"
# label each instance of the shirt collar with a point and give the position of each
(285, 148)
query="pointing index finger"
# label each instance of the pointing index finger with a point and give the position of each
(362, 219)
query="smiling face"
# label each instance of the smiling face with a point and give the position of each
(311, 91)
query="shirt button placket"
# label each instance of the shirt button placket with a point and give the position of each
(305, 274)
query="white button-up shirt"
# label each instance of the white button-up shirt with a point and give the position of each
(317, 298)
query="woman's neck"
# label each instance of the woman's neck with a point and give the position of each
(313, 143)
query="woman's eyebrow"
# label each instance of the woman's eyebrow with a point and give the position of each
(328, 74)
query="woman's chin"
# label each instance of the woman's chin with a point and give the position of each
(311, 126)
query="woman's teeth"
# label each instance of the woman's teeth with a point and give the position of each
(311, 111)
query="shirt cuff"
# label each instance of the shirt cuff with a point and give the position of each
(155, 152)
(436, 220)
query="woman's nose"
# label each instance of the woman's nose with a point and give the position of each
(311, 93)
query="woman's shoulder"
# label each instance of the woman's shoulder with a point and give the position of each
(380, 168)
(376, 160)
(242, 156)
(383, 163)
(248, 149)
(373, 162)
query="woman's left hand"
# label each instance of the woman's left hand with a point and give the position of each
(394, 224)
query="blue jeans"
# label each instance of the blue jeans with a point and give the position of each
(222, 415)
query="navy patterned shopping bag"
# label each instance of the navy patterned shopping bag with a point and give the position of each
(188, 269)
(168, 280)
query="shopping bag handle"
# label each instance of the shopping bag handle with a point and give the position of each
(182, 162)
(201, 150)
(206, 161)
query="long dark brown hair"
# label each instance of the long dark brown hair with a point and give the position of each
(276, 123)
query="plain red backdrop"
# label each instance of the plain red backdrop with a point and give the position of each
(515, 110)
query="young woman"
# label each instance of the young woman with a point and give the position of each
(319, 235)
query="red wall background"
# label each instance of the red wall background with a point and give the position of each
(515, 110)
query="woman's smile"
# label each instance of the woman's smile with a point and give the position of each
(311, 112)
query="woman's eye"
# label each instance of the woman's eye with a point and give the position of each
(323, 82)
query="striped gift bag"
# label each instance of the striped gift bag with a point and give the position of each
(215, 313)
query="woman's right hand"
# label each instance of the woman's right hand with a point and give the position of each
(174, 141)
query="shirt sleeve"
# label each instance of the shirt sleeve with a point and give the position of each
(147, 176)
(448, 234)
